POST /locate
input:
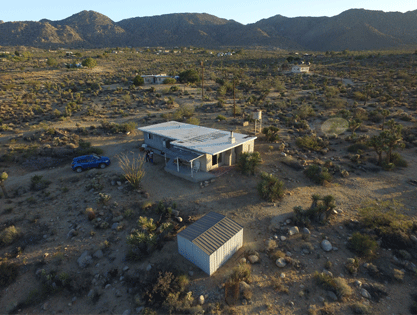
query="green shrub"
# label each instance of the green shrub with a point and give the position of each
(355, 148)
(221, 117)
(363, 245)
(318, 174)
(9, 235)
(320, 210)
(8, 273)
(271, 133)
(169, 81)
(242, 272)
(310, 143)
(138, 80)
(270, 187)
(190, 76)
(248, 162)
(89, 63)
(398, 160)
(37, 183)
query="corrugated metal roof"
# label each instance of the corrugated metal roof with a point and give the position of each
(197, 138)
(211, 232)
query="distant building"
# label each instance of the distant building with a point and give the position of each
(155, 78)
(211, 241)
(300, 69)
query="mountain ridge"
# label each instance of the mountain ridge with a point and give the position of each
(354, 29)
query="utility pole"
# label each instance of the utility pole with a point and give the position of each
(234, 100)
(202, 81)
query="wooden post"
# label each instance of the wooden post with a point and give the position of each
(234, 100)
(202, 81)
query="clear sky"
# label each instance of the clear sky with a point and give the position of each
(242, 11)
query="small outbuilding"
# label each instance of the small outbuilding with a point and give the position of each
(211, 241)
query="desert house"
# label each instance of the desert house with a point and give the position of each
(190, 149)
(155, 78)
(210, 241)
(300, 69)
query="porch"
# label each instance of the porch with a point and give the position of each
(185, 172)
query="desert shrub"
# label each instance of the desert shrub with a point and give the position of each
(271, 133)
(89, 63)
(190, 76)
(8, 273)
(52, 62)
(221, 117)
(169, 81)
(310, 142)
(248, 162)
(279, 285)
(242, 272)
(277, 254)
(398, 160)
(103, 198)
(133, 168)
(270, 187)
(305, 111)
(354, 148)
(320, 210)
(9, 235)
(363, 245)
(338, 285)
(90, 214)
(147, 224)
(413, 306)
(361, 308)
(318, 174)
(183, 112)
(387, 221)
(37, 183)
(138, 80)
(193, 121)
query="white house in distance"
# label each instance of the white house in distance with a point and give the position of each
(300, 69)
(155, 78)
(189, 149)
(211, 241)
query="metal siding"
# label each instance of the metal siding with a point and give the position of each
(211, 241)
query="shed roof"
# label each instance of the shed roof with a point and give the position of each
(197, 138)
(211, 232)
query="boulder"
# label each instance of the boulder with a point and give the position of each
(253, 259)
(84, 260)
(326, 246)
(294, 230)
(281, 262)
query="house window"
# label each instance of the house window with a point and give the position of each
(150, 136)
(214, 160)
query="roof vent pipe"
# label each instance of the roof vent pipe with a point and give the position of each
(231, 138)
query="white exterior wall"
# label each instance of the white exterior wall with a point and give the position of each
(221, 255)
(193, 254)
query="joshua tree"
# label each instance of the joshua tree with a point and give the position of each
(3, 178)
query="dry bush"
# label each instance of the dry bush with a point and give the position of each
(90, 214)
(133, 168)
(9, 235)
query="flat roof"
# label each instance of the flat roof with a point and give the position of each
(197, 138)
(211, 232)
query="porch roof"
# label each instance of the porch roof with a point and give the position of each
(182, 154)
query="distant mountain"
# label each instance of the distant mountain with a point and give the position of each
(355, 29)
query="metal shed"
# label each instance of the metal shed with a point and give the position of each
(210, 241)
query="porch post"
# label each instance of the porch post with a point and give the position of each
(178, 165)
(191, 168)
